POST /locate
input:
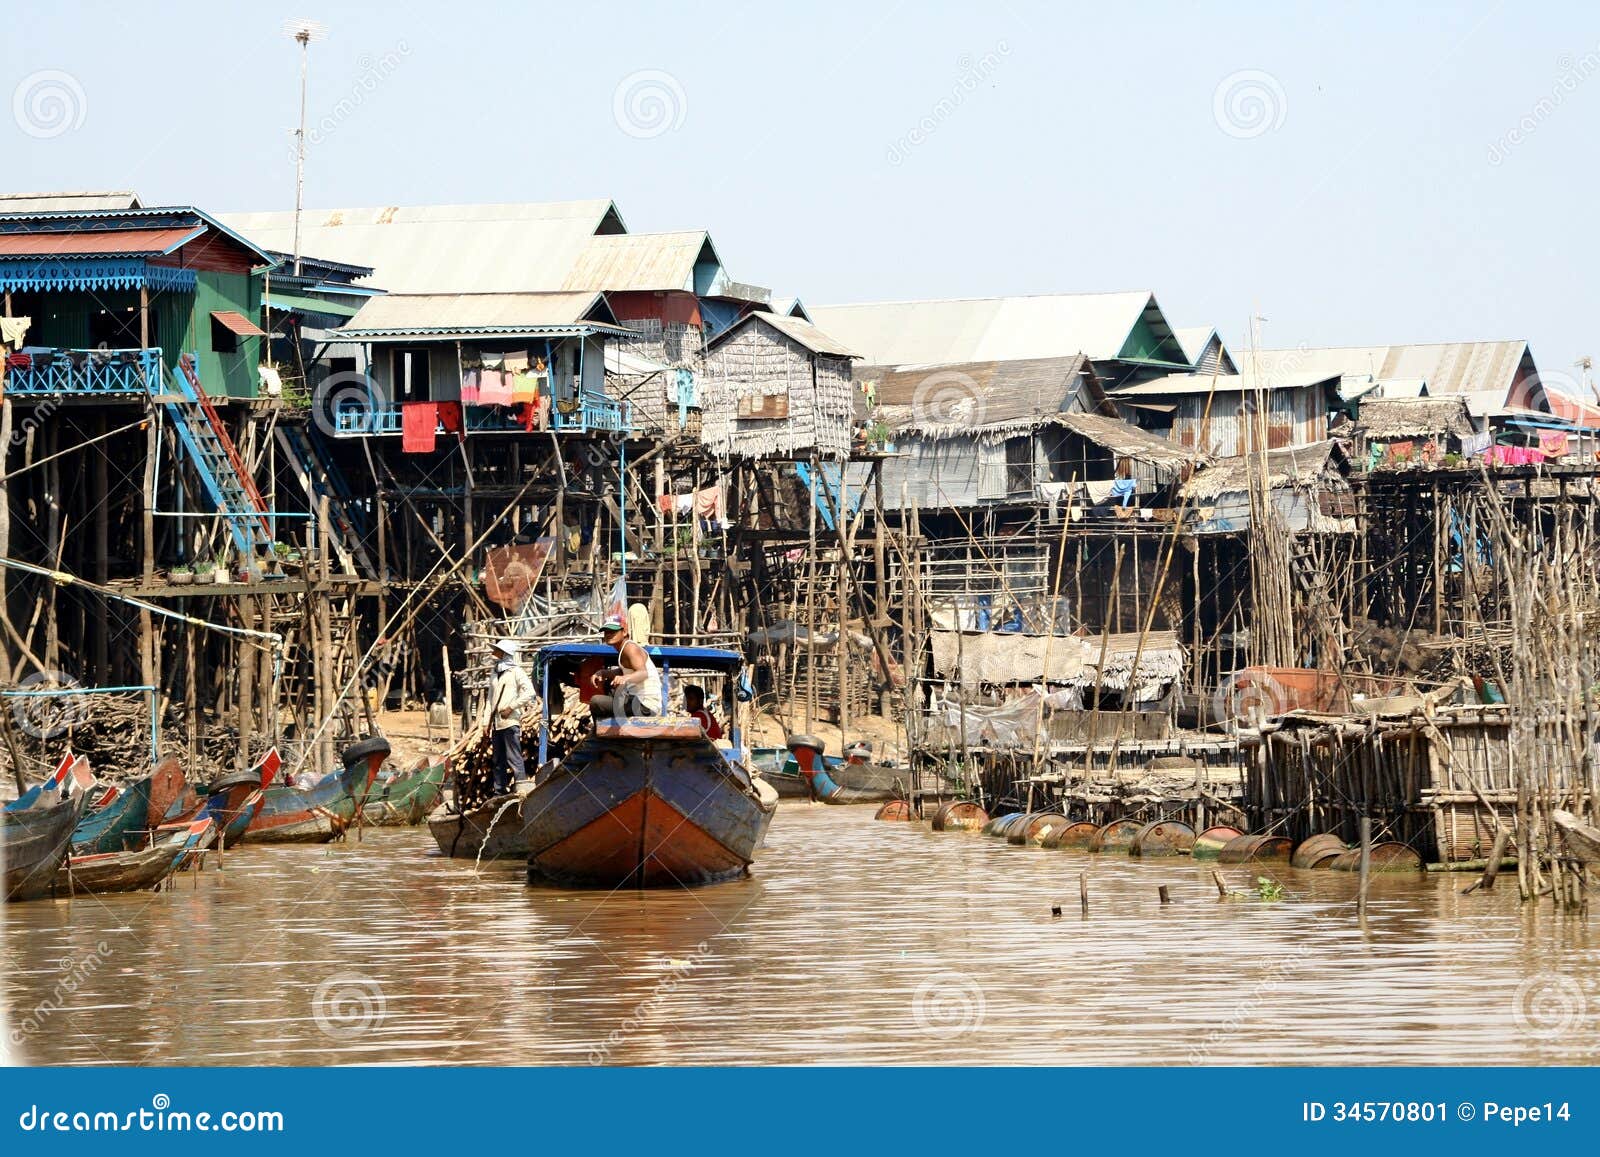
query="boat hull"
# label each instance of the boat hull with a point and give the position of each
(119, 871)
(490, 831)
(406, 799)
(34, 843)
(118, 826)
(1582, 840)
(645, 811)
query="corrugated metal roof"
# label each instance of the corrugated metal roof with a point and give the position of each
(796, 328)
(111, 242)
(65, 202)
(1194, 340)
(448, 313)
(983, 329)
(237, 323)
(640, 262)
(443, 249)
(1447, 367)
(1176, 384)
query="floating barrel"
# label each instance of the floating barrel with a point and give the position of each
(896, 809)
(1002, 830)
(1317, 851)
(1039, 828)
(1116, 836)
(992, 828)
(1211, 841)
(1017, 829)
(1256, 850)
(1162, 838)
(1386, 857)
(960, 815)
(1070, 836)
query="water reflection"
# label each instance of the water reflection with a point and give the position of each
(855, 942)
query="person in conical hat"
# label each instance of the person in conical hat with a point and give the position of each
(510, 695)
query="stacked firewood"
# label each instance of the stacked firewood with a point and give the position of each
(474, 772)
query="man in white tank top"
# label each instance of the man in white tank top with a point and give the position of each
(632, 689)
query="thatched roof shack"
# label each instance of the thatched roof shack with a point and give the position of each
(1400, 432)
(1309, 486)
(776, 386)
(976, 433)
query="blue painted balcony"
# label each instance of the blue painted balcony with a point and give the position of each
(596, 413)
(47, 373)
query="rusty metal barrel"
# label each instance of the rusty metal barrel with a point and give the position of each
(1115, 836)
(1038, 829)
(896, 809)
(1075, 835)
(1315, 853)
(960, 815)
(1162, 838)
(1256, 850)
(1386, 857)
(1017, 830)
(1209, 843)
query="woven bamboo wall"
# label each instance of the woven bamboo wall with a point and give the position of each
(760, 362)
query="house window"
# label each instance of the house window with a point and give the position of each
(223, 339)
(1019, 465)
(409, 375)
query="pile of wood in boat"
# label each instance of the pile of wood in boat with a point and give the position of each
(474, 769)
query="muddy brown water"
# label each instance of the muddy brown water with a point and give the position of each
(853, 942)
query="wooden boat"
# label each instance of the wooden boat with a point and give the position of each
(642, 803)
(231, 801)
(57, 781)
(492, 830)
(1582, 840)
(322, 812)
(406, 797)
(825, 787)
(124, 822)
(36, 838)
(133, 871)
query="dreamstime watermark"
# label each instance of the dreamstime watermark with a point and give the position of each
(649, 103)
(49, 103)
(948, 1004)
(348, 1004)
(946, 399)
(1250, 1004)
(1570, 74)
(1548, 1005)
(1249, 696)
(48, 704)
(970, 74)
(646, 1009)
(1249, 103)
(74, 973)
(350, 402)
(373, 72)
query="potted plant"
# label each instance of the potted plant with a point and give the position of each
(878, 435)
(181, 575)
(219, 570)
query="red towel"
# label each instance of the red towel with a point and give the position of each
(419, 422)
(450, 417)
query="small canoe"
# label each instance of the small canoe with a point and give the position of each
(35, 841)
(322, 812)
(1116, 836)
(1582, 840)
(406, 797)
(137, 871)
(1209, 843)
(959, 815)
(1256, 850)
(490, 831)
(1162, 838)
(1385, 857)
(1079, 835)
(57, 782)
(1315, 853)
(825, 784)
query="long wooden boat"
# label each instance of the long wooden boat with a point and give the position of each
(231, 801)
(406, 797)
(641, 803)
(59, 782)
(322, 812)
(137, 871)
(35, 841)
(125, 823)
(1582, 840)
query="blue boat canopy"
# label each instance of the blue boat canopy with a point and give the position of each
(679, 658)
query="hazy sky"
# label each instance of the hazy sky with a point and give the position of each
(1355, 174)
